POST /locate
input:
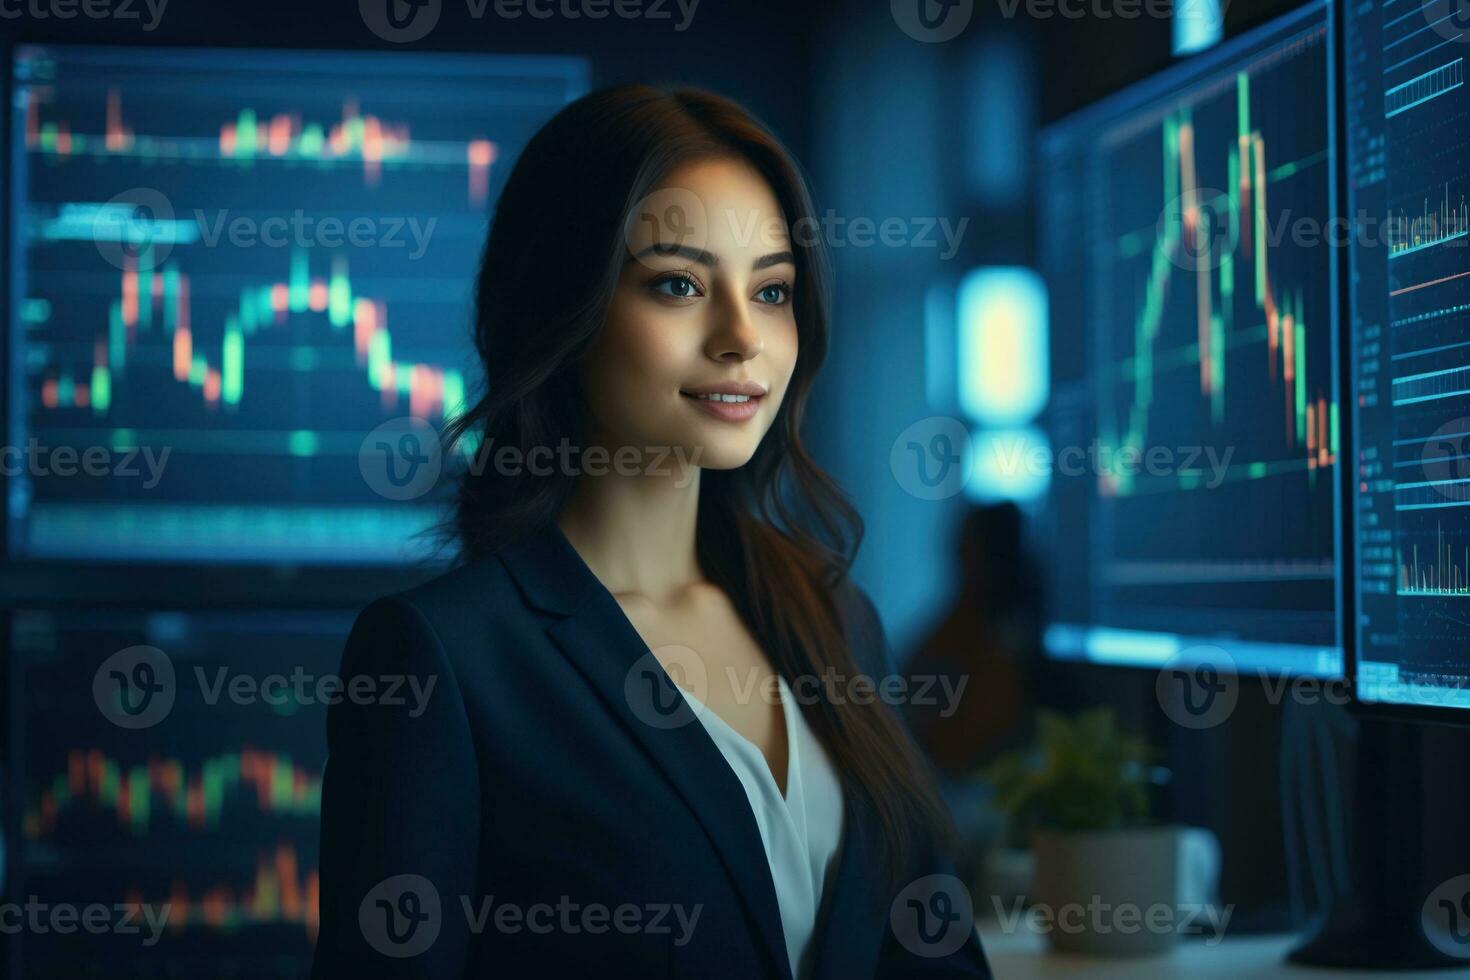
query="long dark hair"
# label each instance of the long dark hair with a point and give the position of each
(777, 534)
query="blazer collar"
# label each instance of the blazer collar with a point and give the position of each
(549, 572)
(591, 630)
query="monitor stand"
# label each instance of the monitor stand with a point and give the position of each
(1376, 925)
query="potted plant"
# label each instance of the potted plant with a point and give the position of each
(1108, 880)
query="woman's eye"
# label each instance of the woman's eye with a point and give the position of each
(774, 294)
(676, 286)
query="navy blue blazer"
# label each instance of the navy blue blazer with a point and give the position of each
(523, 818)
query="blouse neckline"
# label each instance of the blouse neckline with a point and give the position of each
(783, 693)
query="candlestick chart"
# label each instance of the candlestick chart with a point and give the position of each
(249, 261)
(1195, 212)
(211, 812)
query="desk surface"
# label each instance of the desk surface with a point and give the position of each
(1022, 954)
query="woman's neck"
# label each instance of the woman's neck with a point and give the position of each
(636, 532)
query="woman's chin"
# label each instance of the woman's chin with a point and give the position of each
(720, 454)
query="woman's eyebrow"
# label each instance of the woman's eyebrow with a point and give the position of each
(775, 258)
(705, 258)
(699, 255)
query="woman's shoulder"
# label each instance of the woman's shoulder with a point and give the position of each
(474, 581)
(466, 604)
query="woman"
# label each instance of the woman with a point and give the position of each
(651, 313)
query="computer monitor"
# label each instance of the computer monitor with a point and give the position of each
(1408, 175)
(227, 269)
(1193, 511)
(202, 794)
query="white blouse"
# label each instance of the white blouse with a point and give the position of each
(802, 831)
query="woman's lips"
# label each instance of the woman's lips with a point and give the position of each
(741, 409)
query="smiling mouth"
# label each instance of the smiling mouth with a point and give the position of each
(716, 396)
(726, 408)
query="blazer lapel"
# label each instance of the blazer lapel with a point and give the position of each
(592, 631)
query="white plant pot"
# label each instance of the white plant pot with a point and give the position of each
(1110, 892)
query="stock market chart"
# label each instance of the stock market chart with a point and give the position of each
(229, 269)
(1408, 114)
(198, 804)
(1187, 237)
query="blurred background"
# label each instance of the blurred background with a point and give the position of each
(237, 276)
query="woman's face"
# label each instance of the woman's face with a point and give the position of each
(703, 308)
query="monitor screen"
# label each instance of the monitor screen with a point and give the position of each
(238, 281)
(189, 804)
(1408, 172)
(1193, 509)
